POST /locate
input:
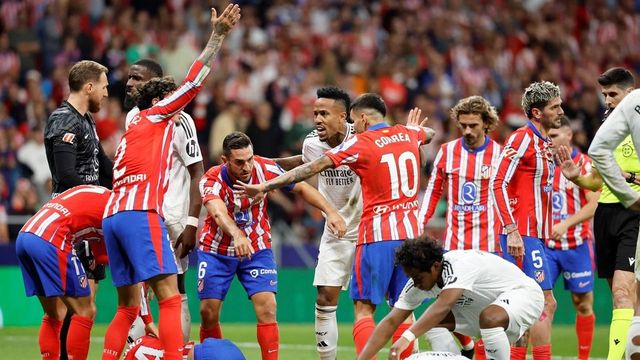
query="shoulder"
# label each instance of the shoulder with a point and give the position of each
(213, 173)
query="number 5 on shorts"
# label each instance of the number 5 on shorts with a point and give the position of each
(536, 259)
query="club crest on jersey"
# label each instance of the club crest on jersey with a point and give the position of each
(539, 276)
(200, 285)
(68, 138)
(82, 280)
(485, 171)
(242, 218)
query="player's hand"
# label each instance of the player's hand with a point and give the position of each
(413, 119)
(242, 246)
(558, 230)
(397, 348)
(336, 224)
(152, 330)
(569, 169)
(227, 20)
(186, 241)
(515, 245)
(248, 190)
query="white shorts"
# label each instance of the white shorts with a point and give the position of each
(174, 230)
(524, 306)
(335, 261)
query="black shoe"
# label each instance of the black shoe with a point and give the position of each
(468, 353)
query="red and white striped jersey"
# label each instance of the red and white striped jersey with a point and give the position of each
(387, 160)
(143, 157)
(72, 216)
(464, 174)
(567, 200)
(252, 219)
(523, 183)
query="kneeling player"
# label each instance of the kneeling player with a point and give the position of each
(477, 293)
(52, 271)
(237, 227)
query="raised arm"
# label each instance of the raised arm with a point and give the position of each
(590, 181)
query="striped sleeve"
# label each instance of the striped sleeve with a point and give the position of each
(346, 153)
(434, 189)
(210, 189)
(172, 104)
(508, 162)
(273, 170)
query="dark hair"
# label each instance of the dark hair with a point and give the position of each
(337, 94)
(370, 101)
(83, 72)
(235, 140)
(564, 121)
(151, 65)
(617, 76)
(152, 89)
(419, 254)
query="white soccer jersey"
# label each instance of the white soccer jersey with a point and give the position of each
(340, 186)
(185, 152)
(482, 275)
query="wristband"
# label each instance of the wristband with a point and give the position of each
(193, 221)
(632, 178)
(408, 335)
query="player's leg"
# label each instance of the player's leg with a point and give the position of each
(174, 231)
(494, 320)
(264, 305)
(49, 334)
(633, 338)
(127, 312)
(215, 274)
(396, 284)
(441, 337)
(585, 322)
(210, 319)
(326, 322)
(79, 334)
(363, 323)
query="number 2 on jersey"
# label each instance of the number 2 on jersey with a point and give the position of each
(399, 174)
(117, 172)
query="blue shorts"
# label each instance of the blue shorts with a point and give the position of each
(575, 265)
(534, 262)
(49, 271)
(216, 272)
(375, 274)
(138, 247)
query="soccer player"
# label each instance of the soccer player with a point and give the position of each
(52, 271)
(386, 158)
(182, 202)
(149, 347)
(569, 249)
(477, 294)
(237, 227)
(615, 227)
(606, 152)
(522, 187)
(134, 229)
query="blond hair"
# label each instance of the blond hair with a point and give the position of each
(477, 105)
(83, 72)
(537, 95)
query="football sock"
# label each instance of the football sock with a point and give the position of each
(442, 340)
(79, 337)
(214, 332)
(169, 327)
(496, 343)
(49, 338)
(633, 339)
(326, 332)
(185, 317)
(541, 352)
(398, 333)
(465, 341)
(517, 352)
(480, 354)
(362, 329)
(620, 322)
(269, 340)
(116, 335)
(584, 330)
(64, 330)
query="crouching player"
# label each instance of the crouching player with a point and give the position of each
(237, 227)
(477, 294)
(52, 271)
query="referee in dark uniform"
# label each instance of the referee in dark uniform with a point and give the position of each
(76, 157)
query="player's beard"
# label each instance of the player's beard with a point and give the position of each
(470, 141)
(94, 105)
(128, 102)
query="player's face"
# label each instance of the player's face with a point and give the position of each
(613, 94)
(424, 280)
(98, 92)
(551, 114)
(560, 137)
(329, 117)
(472, 128)
(359, 121)
(137, 75)
(240, 163)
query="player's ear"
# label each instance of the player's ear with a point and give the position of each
(223, 158)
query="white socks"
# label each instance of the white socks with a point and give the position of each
(185, 318)
(496, 343)
(442, 340)
(326, 332)
(634, 330)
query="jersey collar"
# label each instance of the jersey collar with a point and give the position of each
(225, 175)
(574, 153)
(378, 126)
(536, 131)
(479, 148)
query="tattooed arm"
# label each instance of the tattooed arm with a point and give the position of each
(221, 26)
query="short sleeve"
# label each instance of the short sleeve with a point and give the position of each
(273, 170)
(185, 140)
(457, 275)
(411, 297)
(346, 153)
(210, 188)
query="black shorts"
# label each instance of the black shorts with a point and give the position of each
(94, 271)
(616, 234)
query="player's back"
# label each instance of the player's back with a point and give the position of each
(75, 214)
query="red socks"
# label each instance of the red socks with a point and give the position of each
(117, 332)
(584, 330)
(397, 334)
(269, 340)
(542, 352)
(214, 332)
(479, 353)
(170, 327)
(362, 329)
(49, 338)
(518, 353)
(79, 337)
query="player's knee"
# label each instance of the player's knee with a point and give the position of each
(493, 317)
(583, 307)
(550, 304)
(208, 316)
(266, 312)
(326, 298)
(622, 297)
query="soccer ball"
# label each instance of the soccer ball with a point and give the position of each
(435, 355)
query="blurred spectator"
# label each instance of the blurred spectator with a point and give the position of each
(32, 155)
(24, 40)
(265, 132)
(229, 120)
(25, 198)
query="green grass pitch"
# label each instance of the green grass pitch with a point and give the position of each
(297, 341)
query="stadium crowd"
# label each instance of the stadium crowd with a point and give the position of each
(281, 52)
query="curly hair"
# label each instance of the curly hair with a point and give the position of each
(537, 95)
(419, 254)
(156, 88)
(479, 106)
